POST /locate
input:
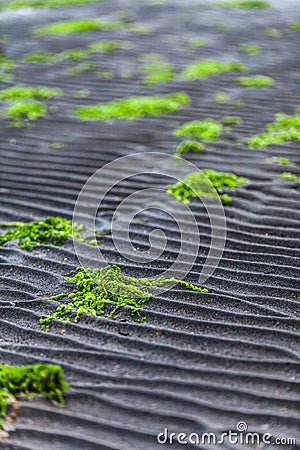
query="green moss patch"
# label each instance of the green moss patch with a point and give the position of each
(156, 70)
(296, 26)
(196, 185)
(37, 379)
(208, 67)
(105, 291)
(221, 97)
(133, 107)
(290, 177)
(51, 230)
(256, 81)
(244, 4)
(76, 26)
(205, 130)
(189, 146)
(232, 120)
(40, 57)
(284, 128)
(282, 160)
(273, 32)
(15, 4)
(86, 25)
(251, 49)
(23, 105)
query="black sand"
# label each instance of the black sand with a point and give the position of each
(197, 364)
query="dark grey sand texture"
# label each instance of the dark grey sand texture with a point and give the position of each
(201, 363)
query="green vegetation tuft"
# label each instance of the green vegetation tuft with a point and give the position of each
(80, 68)
(31, 380)
(104, 292)
(23, 111)
(273, 32)
(23, 105)
(296, 26)
(206, 68)
(250, 49)
(255, 81)
(15, 4)
(232, 120)
(56, 145)
(83, 93)
(40, 57)
(76, 26)
(20, 91)
(156, 70)
(282, 160)
(197, 42)
(133, 107)
(51, 230)
(189, 146)
(283, 129)
(244, 4)
(196, 185)
(221, 97)
(205, 130)
(290, 177)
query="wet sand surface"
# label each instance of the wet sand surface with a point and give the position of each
(200, 363)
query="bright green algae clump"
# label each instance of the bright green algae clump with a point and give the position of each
(31, 380)
(205, 130)
(76, 26)
(205, 68)
(290, 177)
(23, 102)
(196, 185)
(255, 81)
(244, 4)
(156, 70)
(97, 289)
(189, 146)
(14, 4)
(250, 49)
(284, 128)
(51, 230)
(133, 107)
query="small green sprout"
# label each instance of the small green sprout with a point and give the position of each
(15, 4)
(232, 120)
(221, 28)
(238, 104)
(196, 185)
(189, 146)
(255, 81)
(133, 107)
(21, 91)
(221, 97)
(290, 177)
(57, 145)
(296, 26)
(80, 68)
(105, 291)
(250, 49)
(197, 42)
(83, 93)
(205, 130)
(283, 129)
(51, 230)
(31, 380)
(244, 4)
(41, 57)
(273, 32)
(206, 68)
(156, 70)
(76, 26)
(282, 160)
